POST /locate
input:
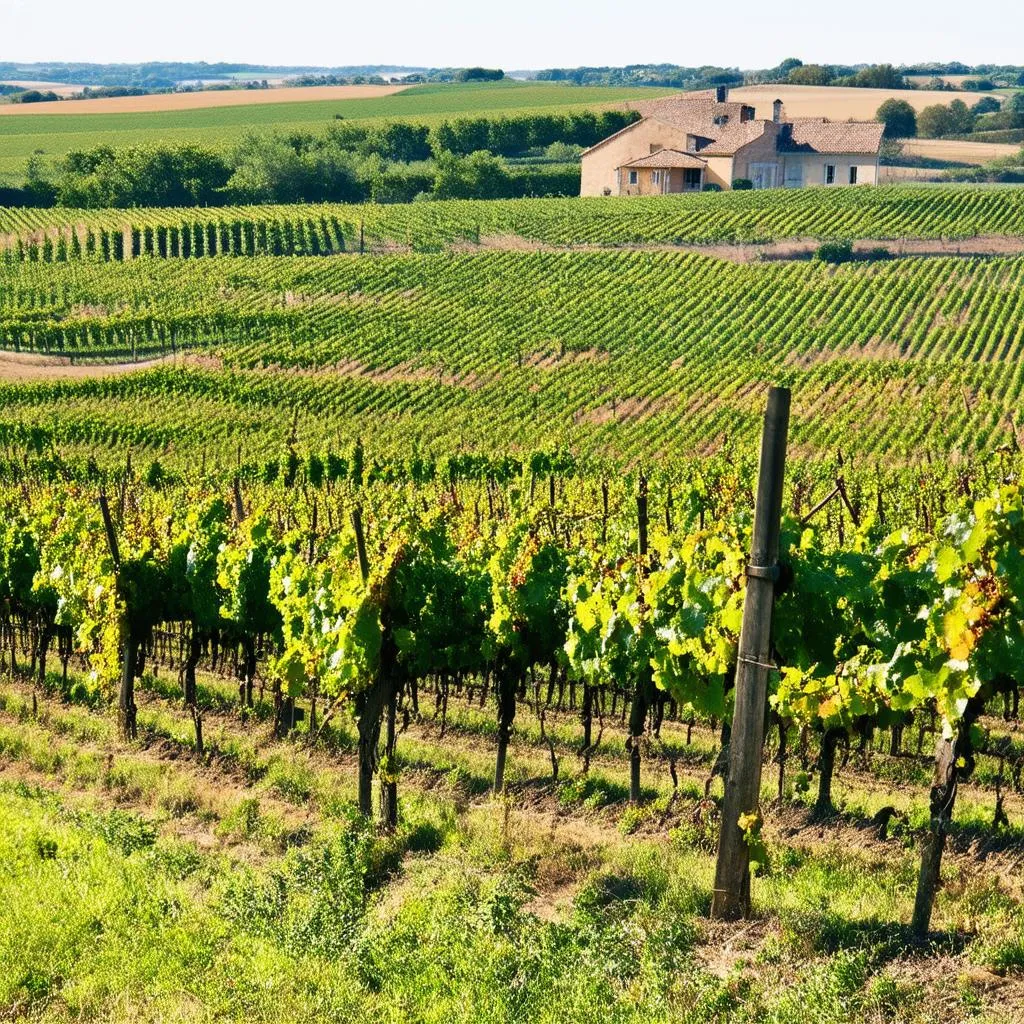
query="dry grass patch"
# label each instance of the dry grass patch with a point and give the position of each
(958, 151)
(204, 100)
(840, 103)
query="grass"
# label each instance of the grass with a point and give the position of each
(245, 887)
(53, 135)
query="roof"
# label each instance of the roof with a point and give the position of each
(703, 116)
(689, 111)
(695, 116)
(734, 136)
(818, 135)
(668, 158)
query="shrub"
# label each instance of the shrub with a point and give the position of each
(742, 185)
(712, 186)
(835, 252)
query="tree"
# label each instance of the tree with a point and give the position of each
(1015, 108)
(266, 170)
(934, 122)
(986, 105)
(480, 75)
(961, 118)
(899, 118)
(480, 175)
(810, 74)
(879, 76)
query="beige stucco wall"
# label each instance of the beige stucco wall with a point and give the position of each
(813, 168)
(598, 166)
(719, 171)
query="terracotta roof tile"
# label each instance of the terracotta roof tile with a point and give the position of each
(734, 136)
(817, 135)
(668, 158)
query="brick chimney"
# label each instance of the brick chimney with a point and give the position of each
(722, 93)
(777, 111)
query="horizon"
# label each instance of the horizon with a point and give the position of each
(459, 34)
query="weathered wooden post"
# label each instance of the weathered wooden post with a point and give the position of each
(731, 897)
(643, 693)
(126, 710)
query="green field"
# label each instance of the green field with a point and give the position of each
(53, 135)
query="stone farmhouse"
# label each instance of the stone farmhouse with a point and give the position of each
(684, 143)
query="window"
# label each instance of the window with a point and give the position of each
(830, 174)
(853, 175)
(794, 174)
(655, 177)
(763, 175)
(632, 177)
(691, 179)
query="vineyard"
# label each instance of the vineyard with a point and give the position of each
(586, 633)
(484, 351)
(421, 638)
(884, 213)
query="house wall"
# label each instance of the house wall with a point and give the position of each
(719, 171)
(813, 168)
(760, 151)
(598, 167)
(671, 181)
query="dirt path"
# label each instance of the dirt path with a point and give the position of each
(20, 367)
(785, 249)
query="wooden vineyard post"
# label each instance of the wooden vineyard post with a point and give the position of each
(643, 694)
(126, 710)
(731, 898)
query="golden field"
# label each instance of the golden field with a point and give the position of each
(841, 104)
(203, 100)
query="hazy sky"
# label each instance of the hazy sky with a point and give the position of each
(515, 34)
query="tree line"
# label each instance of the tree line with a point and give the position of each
(465, 158)
(941, 120)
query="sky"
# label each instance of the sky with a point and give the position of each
(519, 34)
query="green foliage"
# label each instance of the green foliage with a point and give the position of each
(810, 74)
(938, 121)
(899, 118)
(835, 252)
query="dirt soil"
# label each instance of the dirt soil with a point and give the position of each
(30, 366)
(785, 249)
